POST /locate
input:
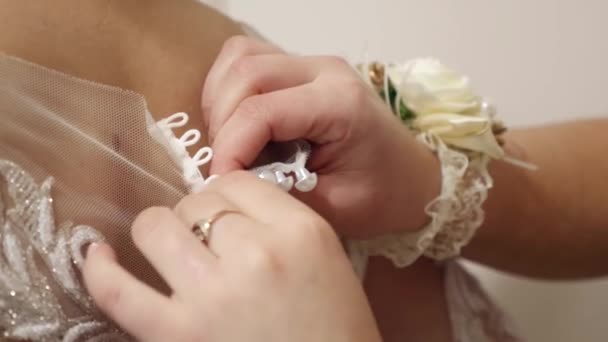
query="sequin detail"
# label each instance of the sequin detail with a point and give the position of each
(38, 261)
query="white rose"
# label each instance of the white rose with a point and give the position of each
(445, 105)
(428, 87)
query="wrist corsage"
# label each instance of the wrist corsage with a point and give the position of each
(440, 108)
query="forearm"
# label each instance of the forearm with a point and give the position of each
(411, 299)
(552, 222)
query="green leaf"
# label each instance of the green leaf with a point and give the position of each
(404, 113)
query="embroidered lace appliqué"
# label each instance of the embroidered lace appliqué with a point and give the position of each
(40, 260)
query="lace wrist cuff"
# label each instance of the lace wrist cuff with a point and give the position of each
(455, 215)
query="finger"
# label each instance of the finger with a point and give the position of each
(262, 201)
(137, 308)
(230, 231)
(172, 249)
(233, 49)
(252, 75)
(307, 112)
(327, 199)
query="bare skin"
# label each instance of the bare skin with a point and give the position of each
(163, 50)
(550, 223)
(120, 42)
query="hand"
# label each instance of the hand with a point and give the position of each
(272, 271)
(374, 177)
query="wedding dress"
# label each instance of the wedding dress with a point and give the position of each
(79, 160)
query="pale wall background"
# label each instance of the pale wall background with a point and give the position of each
(539, 60)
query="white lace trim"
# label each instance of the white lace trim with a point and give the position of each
(162, 132)
(29, 304)
(289, 174)
(455, 215)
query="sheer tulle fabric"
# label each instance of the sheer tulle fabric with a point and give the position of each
(78, 162)
(90, 145)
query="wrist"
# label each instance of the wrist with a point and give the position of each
(419, 188)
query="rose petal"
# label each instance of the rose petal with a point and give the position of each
(452, 125)
(485, 143)
(472, 133)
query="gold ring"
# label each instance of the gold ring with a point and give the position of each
(202, 228)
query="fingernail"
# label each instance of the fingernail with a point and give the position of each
(92, 248)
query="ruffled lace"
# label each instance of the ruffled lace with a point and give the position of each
(455, 215)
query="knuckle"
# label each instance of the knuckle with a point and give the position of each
(251, 74)
(355, 89)
(358, 94)
(263, 260)
(245, 66)
(312, 230)
(253, 108)
(260, 113)
(148, 222)
(239, 45)
(335, 62)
